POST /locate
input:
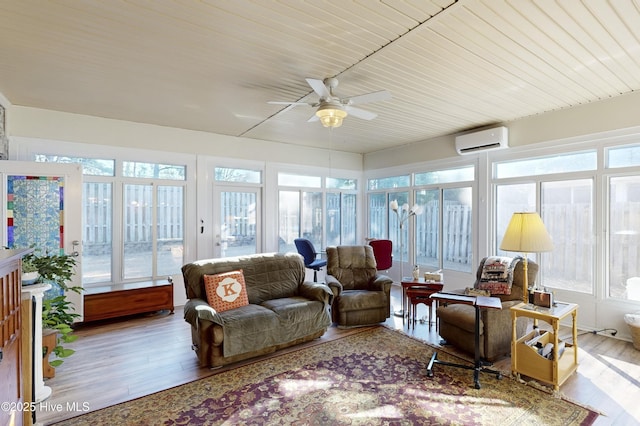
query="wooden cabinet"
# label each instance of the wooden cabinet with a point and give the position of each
(13, 368)
(127, 299)
(562, 360)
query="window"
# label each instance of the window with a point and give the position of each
(389, 182)
(288, 219)
(455, 225)
(567, 210)
(338, 183)
(378, 215)
(427, 228)
(623, 243)
(237, 199)
(624, 237)
(300, 216)
(90, 166)
(153, 238)
(447, 214)
(226, 174)
(341, 219)
(509, 199)
(97, 234)
(289, 179)
(625, 156)
(442, 233)
(150, 235)
(153, 170)
(399, 235)
(445, 176)
(323, 210)
(566, 163)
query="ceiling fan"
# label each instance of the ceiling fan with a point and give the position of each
(332, 109)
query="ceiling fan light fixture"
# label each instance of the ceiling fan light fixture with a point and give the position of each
(331, 115)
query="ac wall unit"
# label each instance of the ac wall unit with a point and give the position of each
(484, 140)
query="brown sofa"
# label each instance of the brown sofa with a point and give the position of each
(361, 294)
(283, 308)
(457, 321)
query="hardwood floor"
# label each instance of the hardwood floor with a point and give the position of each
(116, 361)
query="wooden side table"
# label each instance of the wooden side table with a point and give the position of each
(525, 358)
(420, 283)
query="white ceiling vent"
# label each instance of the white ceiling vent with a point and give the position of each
(484, 140)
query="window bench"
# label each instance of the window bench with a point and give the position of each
(127, 299)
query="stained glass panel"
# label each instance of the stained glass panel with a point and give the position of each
(35, 209)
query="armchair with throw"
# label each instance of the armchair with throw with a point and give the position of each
(457, 321)
(361, 294)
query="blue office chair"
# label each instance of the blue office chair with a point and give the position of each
(308, 252)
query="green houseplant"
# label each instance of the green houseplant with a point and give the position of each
(29, 272)
(57, 312)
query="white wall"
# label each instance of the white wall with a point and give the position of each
(611, 114)
(55, 125)
(616, 113)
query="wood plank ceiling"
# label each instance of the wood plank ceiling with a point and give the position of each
(212, 65)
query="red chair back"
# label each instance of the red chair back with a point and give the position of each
(383, 252)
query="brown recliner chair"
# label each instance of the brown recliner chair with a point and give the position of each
(457, 322)
(361, 296)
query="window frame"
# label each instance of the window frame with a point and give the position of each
(323, 188)
(34, 147)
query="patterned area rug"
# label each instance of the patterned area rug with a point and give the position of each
(374, 377)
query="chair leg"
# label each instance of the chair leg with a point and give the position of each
(315, 275)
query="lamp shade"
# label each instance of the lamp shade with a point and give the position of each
(526, 234)
(331, 115)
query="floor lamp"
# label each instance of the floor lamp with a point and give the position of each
(526, 234)
(403, 215)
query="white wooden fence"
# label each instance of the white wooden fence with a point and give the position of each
(137, 216)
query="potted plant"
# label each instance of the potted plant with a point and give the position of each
(58, 313)
(29, 272)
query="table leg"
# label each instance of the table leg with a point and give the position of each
(478, 365)
(404, 303)
(556, 330)
(514, 339)
(476, 349)
(574, 315)
(403, 312)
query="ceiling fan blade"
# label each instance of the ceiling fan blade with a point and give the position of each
(361, 113)
(313, 118)
(381, 95)
(287, 103)
(319, 87)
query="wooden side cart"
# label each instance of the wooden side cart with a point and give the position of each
(127, 299)
(562, 360)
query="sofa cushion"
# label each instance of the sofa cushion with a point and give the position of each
(497, 275)
(460, 315)
(226, 290)
(249, 328)
(293, 309)
(360, 300)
